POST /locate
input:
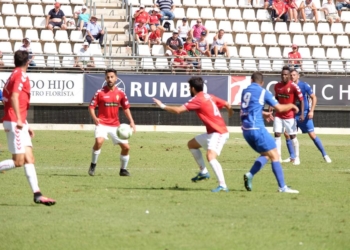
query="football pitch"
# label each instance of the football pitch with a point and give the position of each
(158, 207)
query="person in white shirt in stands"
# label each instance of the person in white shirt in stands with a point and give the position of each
(84, 58)
(184, 29)
(26, 47)
(330, 12)
(219, 45)
(308, 10)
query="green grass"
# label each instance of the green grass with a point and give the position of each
(109, 212)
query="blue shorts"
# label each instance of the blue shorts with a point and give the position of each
(259, 139)
(306, 126)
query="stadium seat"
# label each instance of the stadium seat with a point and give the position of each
(284, 40)
(345, 16)
(46, 35)
(100, 62)
(210, 37)
(36, 47)
(61, 36)
(34, 1)
(36, 10)
(221, 14)
(249, 14)
(149, 2)
(217, 3)
(233, 51)
(40, 61)
(333, 53)
(249, 65)
(318, 53)
(242, 39)
(78, 2)
(50, 48)
(32, 35)
(22, 10)
(347, 28)
(6, 47)
(207, 13)
(337, 29)
(147, 63)
(68, 62)
(275, 52)
(253, 27)
(267, 27)
(347, 66)
(165, 36)
(189, 3)
(17, 46)
(51, 2)
(295, 28)
(309, 28)
(203, 3)
(1, 22)
(260, 52)
(8, 9)
(264, 65)
(211, 25)
(16, 34)
(11, 22)
(229, 39)
(281, 27)
(230, 3)
(192, 22)
(65, 48)
(39, 22)
(77, 47)
(323, 28)
(258, 3)
(299, 40)
(95, 49)
(158, 50)
(317, 4)
(76, 36)
(25, 22)
(67, 9)
(328, 41)
(255, 39)
(277, 65)
(207, 64)
(238, 26)
(345, 53)
(179, 13)
(4, 35)
(245, 52)
(162, 63)
(53, 62)
(8, 60)
(270, 39)
(322, 66)
(220, 64)
(235, 64)
(337, 66)
(313, 40)
(321, 16)
(143, 50)
(20, 1)
(234, 14)
(343, 41)
(244, 4)
(134, 2)
(262, 15)
(225, 25)
(192, 13)
(305, 53)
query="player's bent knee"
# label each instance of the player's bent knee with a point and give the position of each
(125, 147)
(277, 134)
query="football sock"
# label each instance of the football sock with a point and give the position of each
(218, 172)
(7, 165)
(278, 145)
(124, 160)
(296, 147)
(278, 172)
(95, 155)
(197, 154)
(290, 148)
(258, 165)
(32, 178)
(318, 144)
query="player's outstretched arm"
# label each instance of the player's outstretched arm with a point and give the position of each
(229, 109)
(171, 109)
(285, 107)
(128, 115)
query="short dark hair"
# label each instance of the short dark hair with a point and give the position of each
(110, 70)
(21, 57)
(197, 83)
(286, 68)
(257, 77)
(221, 30)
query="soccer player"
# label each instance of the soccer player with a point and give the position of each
(16, 97)
(307, 126)
(252, 116)
(108, 99)
(207, 108)
(287, 92)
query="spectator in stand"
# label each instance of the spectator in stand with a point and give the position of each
(180, 59)
(330, 12)
(154, 19)
(188, 44)
(173, 43)
(1, 62)
(83, 17)
(184, 29)
(219, 45)
(292, 10)
(268, 4)
(56, 18)
(141, 33)
(84, 58)
(342, 4)
(167, 8)
(141, 16)
(26, 47)
(293, 56)
(154, 36)
(194, 57)
(203, 45)
(94, 31)
(197, 29)
(279, 11)
(308, 10)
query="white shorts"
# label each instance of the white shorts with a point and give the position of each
(214, 141)
(290, 125)
(104, 131)
(17, 139)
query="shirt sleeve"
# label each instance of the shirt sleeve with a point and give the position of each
(94, 101)
(62, 13)
(297, 92)
(220, 103)
(124, 101)
(193, 104)
(18, 81)
(270, 99)
(50, 13)
(308, 89)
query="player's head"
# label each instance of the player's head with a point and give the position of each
(21, 58)
(285, 75)
(110, 77)
(258, 78)
(294, 75)
(196, 85)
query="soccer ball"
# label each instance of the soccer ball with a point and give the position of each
(124, 131)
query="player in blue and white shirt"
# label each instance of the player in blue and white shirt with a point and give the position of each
(253, 100)
(307, 125)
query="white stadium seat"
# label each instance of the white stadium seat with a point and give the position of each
(345, 53)
(53, 61)
(333, 53)
(20, 1)
(318, 53)
(270, 39)
(207, 64)
(61, 36)
(149, 2)
(242, 39)
(308, 66)
(143, 50)
(147, 63)
(22, 10)
(244, 3)
(40, 61)
(46, 35)
(1, 22)
(267, 27)
(51, 2)
(8, 9)
(262, 15)
(39, 22)
(217, 3)
(34, 1)
(192, 13)
(65, 48)
(323, 28)
(260, 52)
(207, 13)
(233, 51)
(221, 14)
(249, 14)
(255, 39)
(225, 25)
(299, 40)
(277, 65)
(238, 26)
(4, 35)
(309, 28)
(345, 16)
(305, 52)
(235, 64)
(233, 14)
(165, 36)
(8, 60)
(67, 9)
(76, 36)
(264, 65)
(347, 66)
(77, 47)
(328, 41)
(229, 39)
(337, 29)
(11, 22)
(230, 3)
(322, 66)
(162, 63)
(284, 40)
(337, 66)
(253, 27)
(211, 25)
(36, 10)
(179, 13)
(25, 22)
(295, 28)
(281, 27)
(313, 40)
(347, 28)
(275, 52)
(32, 35)
(36, 47)
(250, 65)
(203, 3)
(158, 50)
(6, 47)
(245, 52)
(342, 41)
(16, 34)
(220, 64)
(189, 3)
(68, 62)
(79, 2)
(50, 48)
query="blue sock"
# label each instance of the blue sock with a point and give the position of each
(258, 165)
(319, 145)
(290, 148)
(278, 172)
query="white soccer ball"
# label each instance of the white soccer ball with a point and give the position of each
(124, 131)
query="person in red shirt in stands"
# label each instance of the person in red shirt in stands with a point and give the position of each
(154, 19)
(179, 61)
(188, 44)
(141, 33)
(154, 36)
(141, 16)
(279, 11)
(292, 10)
(294, 54)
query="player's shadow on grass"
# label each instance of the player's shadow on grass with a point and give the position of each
(15, 205)
(66, 175)
(175, 188)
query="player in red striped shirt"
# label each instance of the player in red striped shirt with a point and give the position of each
(207, 108)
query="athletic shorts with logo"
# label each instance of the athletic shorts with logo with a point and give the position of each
(214, 141)
(259, 139)
(17, 139)
(289, 125)
(105, 131)
(307, 125)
